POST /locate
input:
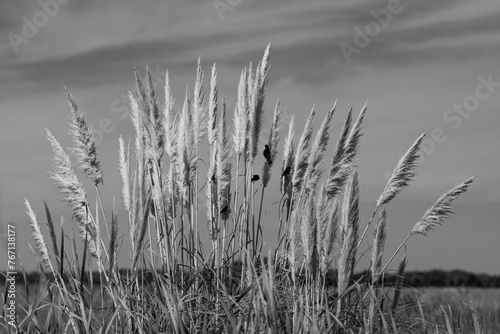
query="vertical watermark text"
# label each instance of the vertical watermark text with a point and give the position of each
(11, 277)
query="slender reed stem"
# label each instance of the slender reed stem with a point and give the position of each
(102, 208)
(260, 210)
(195, 222)
(235, 212)
(397, 250)
(366, 228)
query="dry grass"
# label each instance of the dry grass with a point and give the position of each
(304, 285)
(465, 309)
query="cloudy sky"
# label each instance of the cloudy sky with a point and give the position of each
(421, 65)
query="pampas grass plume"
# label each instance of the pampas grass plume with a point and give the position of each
(314, 167)
(124, 167)
(240, 115)
(342, 165)
(442, 209)
(84, 143)
(349, 232)
(68, 184)
(402, 174)
(257, 100)
(212, 108)
(37, 235)
(288, 155)
(273, 143)
(302, 156)
(169, 118)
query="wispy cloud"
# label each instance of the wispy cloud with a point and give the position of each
(92, 44)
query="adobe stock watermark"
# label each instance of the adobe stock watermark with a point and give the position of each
(455, 117)
(30, 28)
(10, 306)
(222, 6)
(363, 37)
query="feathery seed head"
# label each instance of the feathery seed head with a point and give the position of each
(155, 133)
(331, 230)
(352, 142)
(309, 232)
(84, 143)
(288, 156)
(442, 209)
(314, 166)
(402, 174)
(348, 231)
(183, 144)
(169, 118)
(198, 108)
(342, 164)
(113, 241)
(124, 166)
(224, 166)
(141, 92)
(302, 156)
(212, 108)
(240, 115)
(258, 88)
(272, 143)
(37, 235)
(68, 184)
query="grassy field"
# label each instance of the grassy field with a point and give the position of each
(184, 168)
(437, 310)
(457, 308)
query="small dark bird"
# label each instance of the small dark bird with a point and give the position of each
(267, 155)
(286, 171)
(224, 210)
(255, 178)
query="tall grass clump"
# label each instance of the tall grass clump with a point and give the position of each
(195, 226)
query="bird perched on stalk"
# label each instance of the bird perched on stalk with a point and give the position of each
(224, 210)
(255, 178)
(267, 155)
(286, 171)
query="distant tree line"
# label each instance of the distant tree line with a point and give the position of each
(442, 278)
(454, 278)
(434, 278)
